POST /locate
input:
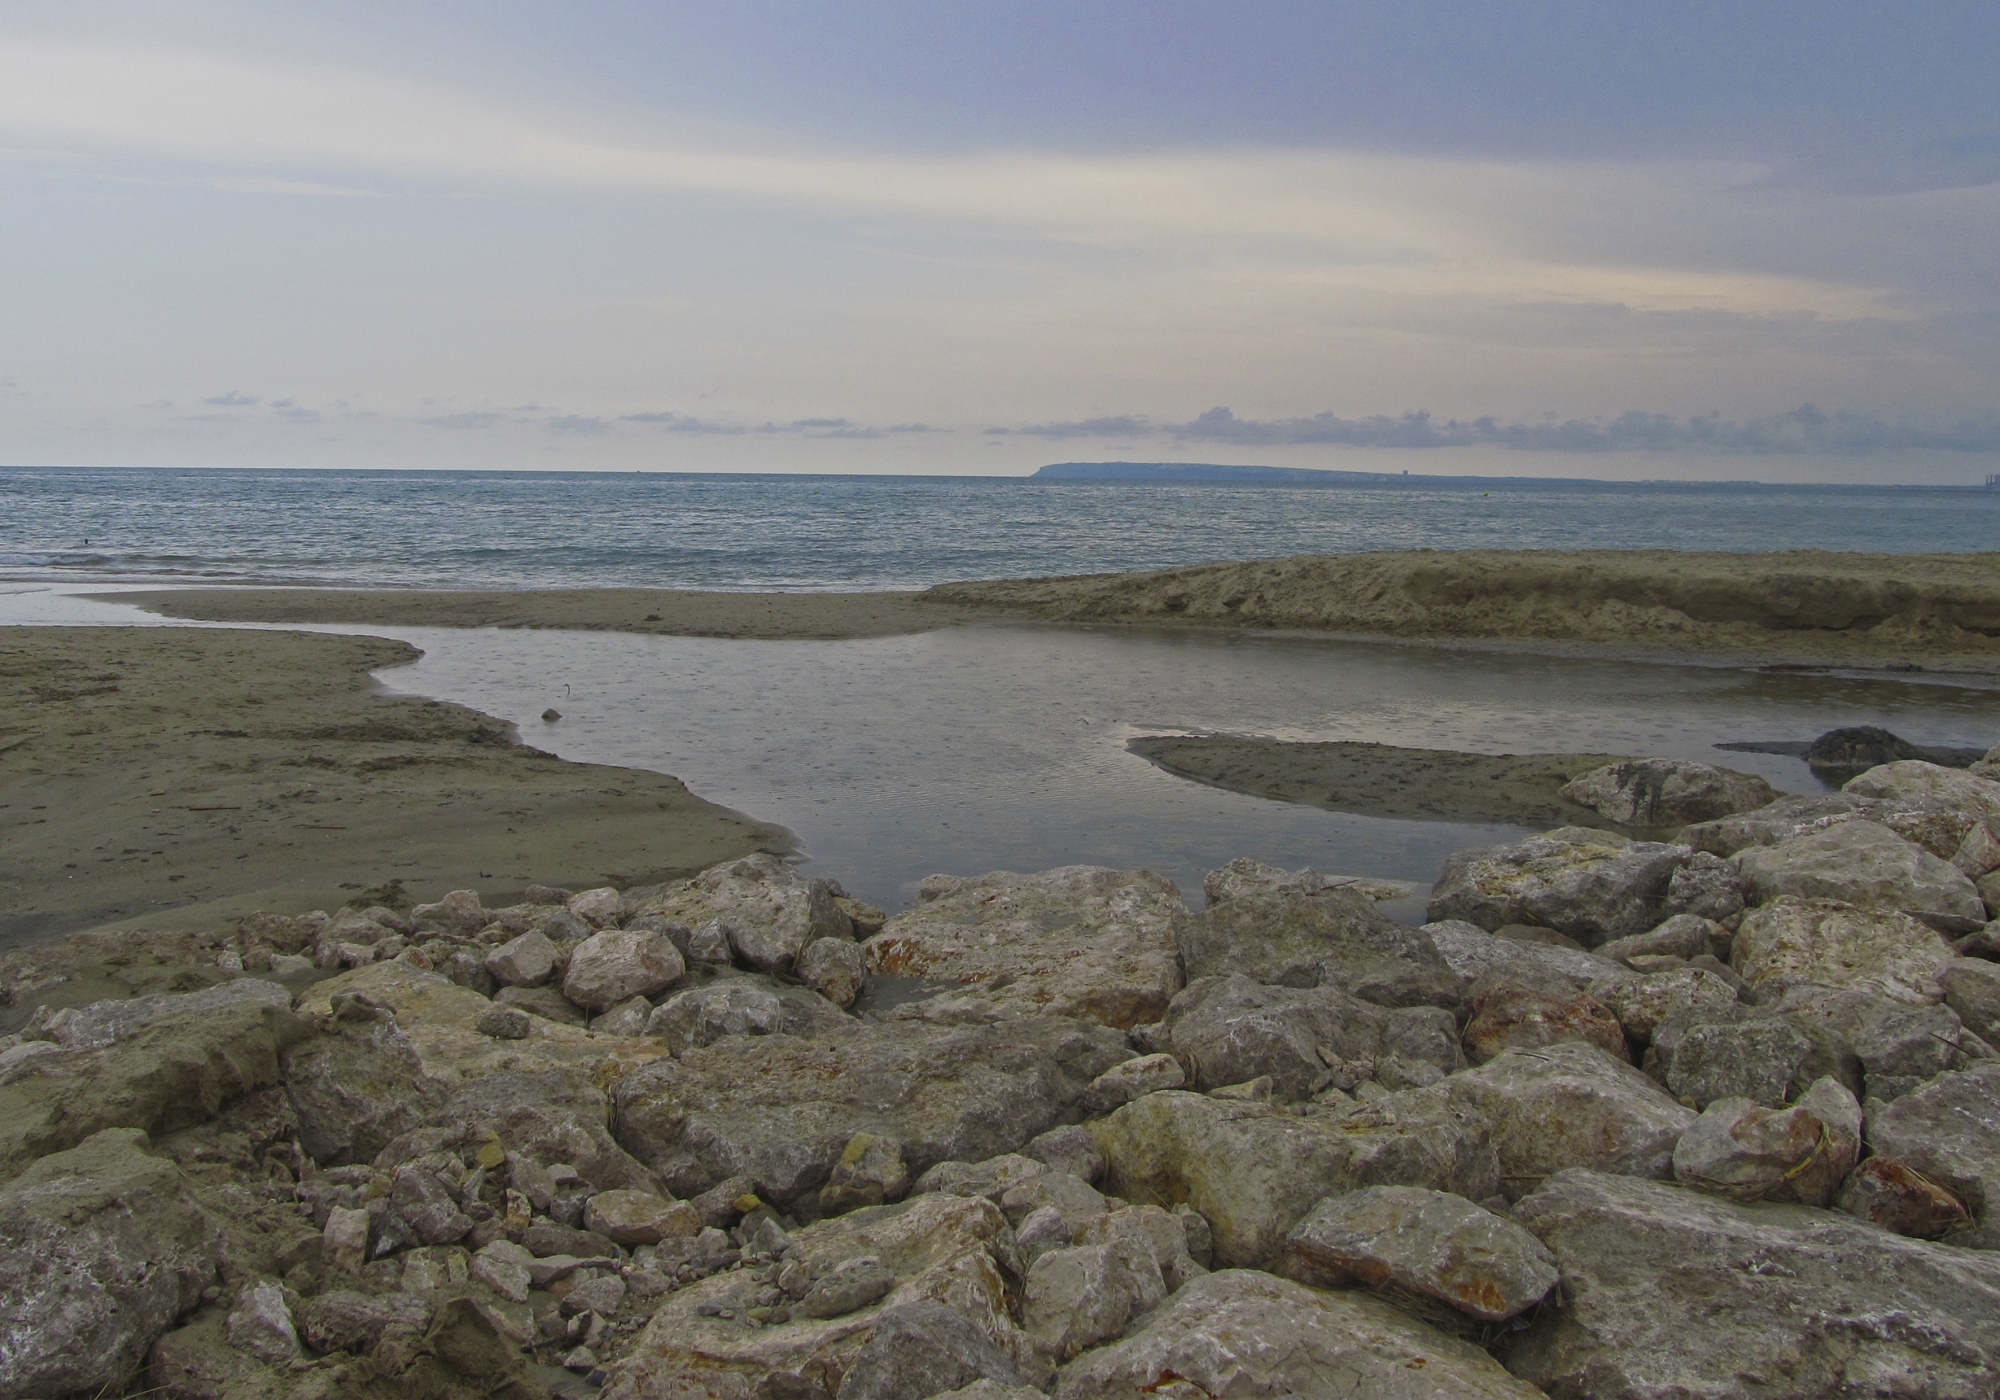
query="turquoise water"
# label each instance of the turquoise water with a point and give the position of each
(552, 529)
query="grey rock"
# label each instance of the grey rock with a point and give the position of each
(1664, 792)
(1884, 1192)
(1669, 1292)
(1431, 1242)
(616, 965)
(704, 1015)
(355, 1086)
(1715, 1053)
(1971, 988)
(1070, 1196)
(1123, 1083)
(1241, 1333)
(1949, 1130)
(781, 1109)
(870, 1171)
(105, 1023)
(1075, 1298)
(919, 1347)
(1481, 959)
(1041, 1231)
(600, 908)
(1912, 781)
(1827, 943)
(526, 961)
(1707, 887)
(468, 969)
(102, 1248)
(991, 1390)
(628, 1017)
(346, 1320)
(1332, 939)
(505, 1267)
(1592, 885)
(835, 968)
(1509, 1017)
(423, 1202)
(1743, 1152)
(1069, 1148)
(1864, 864)
(1565, 1106)
(545, 1002)
(1789, 816)
(771, 911)
(1682, 936)
(504, 1023)
(1081, 941)
(1900, 1046)
(1642, 1003)
(458, 911)
(1978, 851)
(261, 1324)
(1253, 1172)
(992, 1178)
(1232, 1029)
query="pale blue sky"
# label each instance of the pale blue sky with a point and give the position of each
(872, 236)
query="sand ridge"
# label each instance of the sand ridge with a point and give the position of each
(1937, 611)
(172, 777)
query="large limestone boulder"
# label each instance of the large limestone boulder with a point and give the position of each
(441, 1019)
(1899, 1046)
(781, 1109)
(1709, 1053)
(1254, 1171)
(743, 1004)
(1245, 877)
(1827, 943)
(1913, 781)
(1667, 1292)
(1231, 1030)
(1869, 866)
(1079, 941)
(615, 965)
(1331, 938)
(1481, 959)
(1744, 1152)
(357, 1085)
(1430, 1242)
(1592, 885)
(1568, 1105)
(1971, 988)
(1511, 1017)
(1244, 1334)
(1664, 792)
(845, 1281)
(102, 1248)
(772, 912)
(1933, 826)
(1949, 1130)
(158, 1064)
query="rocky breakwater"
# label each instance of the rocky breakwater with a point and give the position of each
(1712, 1115)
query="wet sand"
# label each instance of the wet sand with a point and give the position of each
(1379, 780)
(1933, 611)
(179, 777)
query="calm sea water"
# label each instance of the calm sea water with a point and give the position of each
(552, 529)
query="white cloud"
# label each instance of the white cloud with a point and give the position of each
(1301, 221)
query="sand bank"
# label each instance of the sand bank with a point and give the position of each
(179, 777)
(1935, 610)
(1378, 780)
(1939, 611)
(662, 611)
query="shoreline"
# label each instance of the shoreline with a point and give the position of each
(174, 778)
(1929, 612)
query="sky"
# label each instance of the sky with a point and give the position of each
(1612, 239)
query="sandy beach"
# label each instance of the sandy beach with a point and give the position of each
(180, 778)
(1938, 611)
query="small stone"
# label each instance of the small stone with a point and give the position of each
(600, 908)
(853, 1285)
(504, 1023)
(603, 1296)
(834, 968)
(869, 1172)
(640, 1217)
(523, 962)
(615, 965)
(503, 1267)
(262, 1324)
(346, 1236)
(1069, 1148)
(1893, 1196)
(1434, 1242)
(1121, 1084)
(550, 716)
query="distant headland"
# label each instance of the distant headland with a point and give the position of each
(1228, 474)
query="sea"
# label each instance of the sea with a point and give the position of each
(418, 529)
(969, 750)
